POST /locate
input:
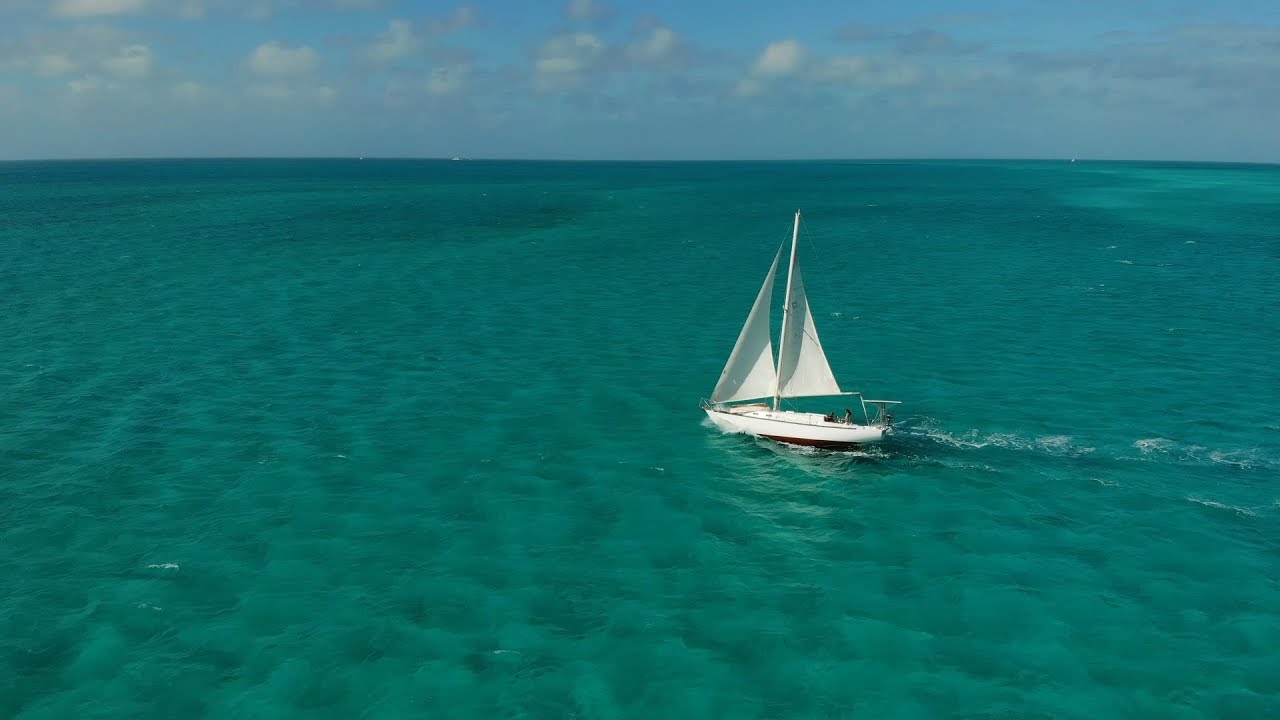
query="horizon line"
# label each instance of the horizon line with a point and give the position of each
(635, 161)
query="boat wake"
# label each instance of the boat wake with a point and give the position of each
(927, 431)
(1165, 450)
(926, 434)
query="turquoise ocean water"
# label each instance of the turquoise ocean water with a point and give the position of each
(376, 439)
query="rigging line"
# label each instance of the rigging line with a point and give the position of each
(804, 229)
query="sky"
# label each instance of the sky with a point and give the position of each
(661, 79)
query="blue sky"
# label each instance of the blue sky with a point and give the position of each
(663, 79)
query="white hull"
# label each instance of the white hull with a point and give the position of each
(795, 428)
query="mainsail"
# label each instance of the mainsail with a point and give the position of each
(749, 372)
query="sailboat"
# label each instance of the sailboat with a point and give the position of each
(801, 370)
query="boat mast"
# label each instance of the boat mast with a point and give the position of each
(786, 312)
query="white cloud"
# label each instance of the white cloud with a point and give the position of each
(83, 85)
(317, 93)
(51, 64)
(190, 9)
(276, 60)
(462, 17)
(844, 68)
(402, 39)
(57, 51)
(399, 41)
(748, 87)
(899, 75)
(90, 84)
(190, 91)
(447, 80)
(201, 96)
(779, 59)
(568, 54)
(132, 61)
(95, 8)
(866, 71)
(581, 9)
(259, 10)
(660, 44)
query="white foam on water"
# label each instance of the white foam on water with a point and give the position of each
(974, 439)
(969, 439)
(163, 566)
(1149, 445)
(1060, 444)
(1223, 506)
(1245, 459)
(964, 465)
(1152, 449)
(1049, 445)
(868, 451)
(1009, 441)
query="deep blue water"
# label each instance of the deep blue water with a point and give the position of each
(391, 439)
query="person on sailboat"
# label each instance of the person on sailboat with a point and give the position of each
(848, 416)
